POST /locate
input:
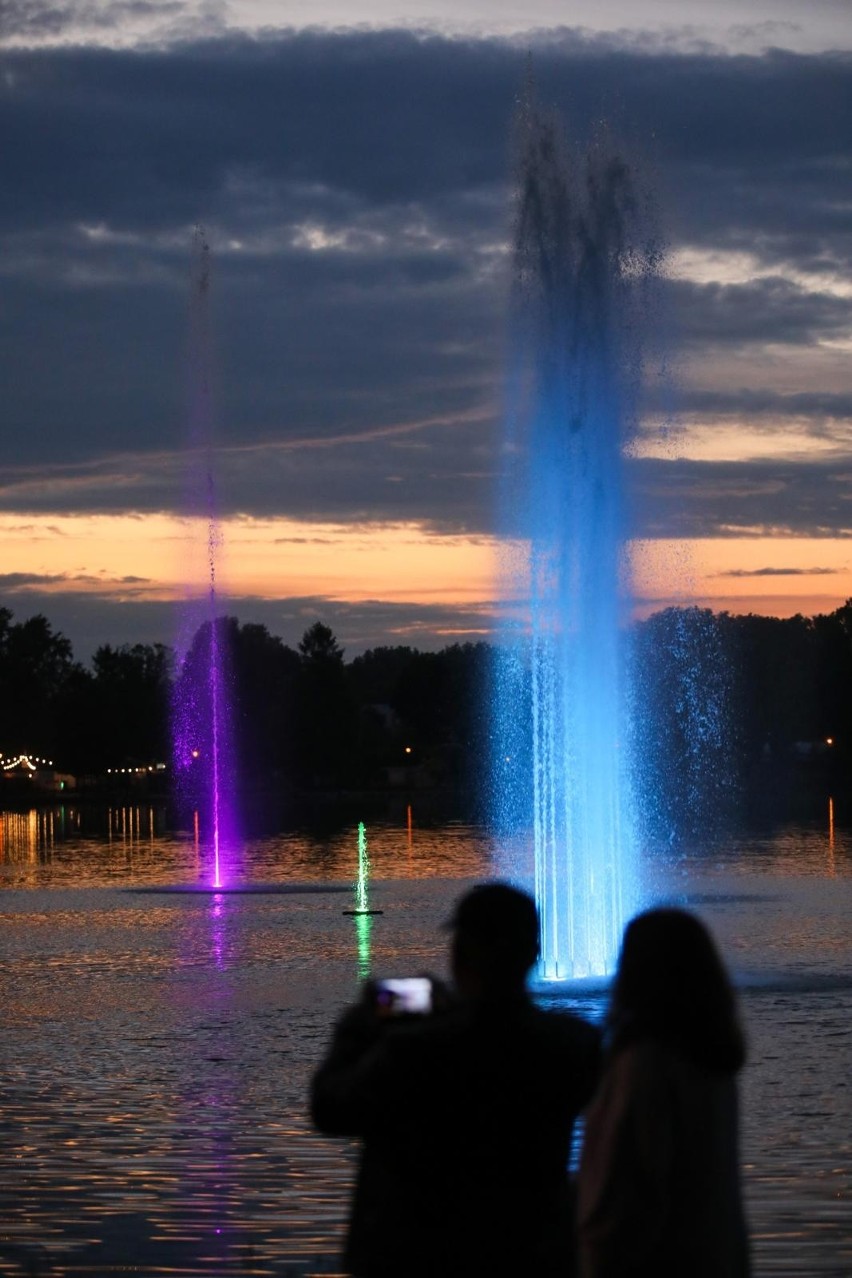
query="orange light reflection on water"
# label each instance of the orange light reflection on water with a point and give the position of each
(135, 845)
(27, 836)
(832, 864)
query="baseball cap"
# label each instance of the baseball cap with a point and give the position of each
(498, 916)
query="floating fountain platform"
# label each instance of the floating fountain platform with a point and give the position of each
(243, 889)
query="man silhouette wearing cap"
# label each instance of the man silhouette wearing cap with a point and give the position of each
(466, 1115)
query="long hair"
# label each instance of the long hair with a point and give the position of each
(671, 985)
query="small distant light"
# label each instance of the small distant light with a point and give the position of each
(195, 754)
(408, 749)
(829, 740)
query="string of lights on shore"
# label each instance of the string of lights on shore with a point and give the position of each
(32, 763)
(24, 761)
(151, 767)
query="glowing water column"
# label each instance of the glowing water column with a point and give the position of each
(362, 912)
(364, 920)
(202, 726)
(562, 698)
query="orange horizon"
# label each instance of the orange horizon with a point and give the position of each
(152, 558)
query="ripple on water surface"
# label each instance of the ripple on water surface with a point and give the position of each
(156, 1048)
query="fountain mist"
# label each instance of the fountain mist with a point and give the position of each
(562, 695)
(201, 711)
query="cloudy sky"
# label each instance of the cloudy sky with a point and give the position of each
(351, 166)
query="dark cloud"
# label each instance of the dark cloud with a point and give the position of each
(40, 19)
(796, 497)
(765, 404)
(778, 572)
(88, 619)
(355, 188)
(91, 619)
(393, 116)
(449, 486)
(25, 583)
(303, 339)
(764, 605)
(13, 582)
(443, 475)
(762, 311)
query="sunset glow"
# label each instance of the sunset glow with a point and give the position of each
(156, 558)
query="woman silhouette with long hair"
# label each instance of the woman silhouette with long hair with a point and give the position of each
(659, 1186)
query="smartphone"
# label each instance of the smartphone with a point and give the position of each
(404, 996)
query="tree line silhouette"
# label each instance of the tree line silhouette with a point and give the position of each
(718, 701)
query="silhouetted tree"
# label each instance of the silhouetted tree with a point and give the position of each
(375, 679)
(130, 695)
(327, 715)
(773, 703)
(833, 676)
(266, 676)
(375, 675)
(721, 703)
(442, 699)
(36, 663)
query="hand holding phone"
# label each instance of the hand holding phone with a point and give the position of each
(404, 996)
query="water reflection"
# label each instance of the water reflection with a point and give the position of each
(29, 836)
(362, 914)
(363, 934)
(156, 1050)
(820, 848)
(217, 919)
(202, 1220)
(134, 844)
(131, 826)
(832, 864)
(94, 845)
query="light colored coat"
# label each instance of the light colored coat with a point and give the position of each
(659, 1184)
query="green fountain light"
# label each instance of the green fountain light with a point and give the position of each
(362, 906)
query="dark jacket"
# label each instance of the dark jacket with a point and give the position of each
(659, 1189)
(466, 1120)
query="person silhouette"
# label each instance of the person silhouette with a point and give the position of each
(466, 1115)
(659, 1182)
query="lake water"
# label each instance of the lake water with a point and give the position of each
(156, 1047)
